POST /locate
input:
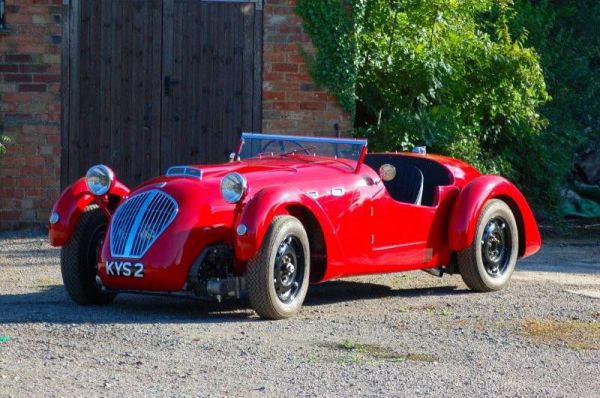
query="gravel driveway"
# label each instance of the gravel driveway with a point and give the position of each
(394, 335)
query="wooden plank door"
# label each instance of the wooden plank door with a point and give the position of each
(152, 83)
(113, 80)
(212, 65)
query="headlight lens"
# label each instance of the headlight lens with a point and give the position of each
(233, 187)
(99, 179)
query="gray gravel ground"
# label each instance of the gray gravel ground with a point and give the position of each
(393, 335)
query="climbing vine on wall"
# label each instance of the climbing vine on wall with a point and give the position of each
(333, 63)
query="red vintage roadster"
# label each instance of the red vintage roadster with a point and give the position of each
(285, 212)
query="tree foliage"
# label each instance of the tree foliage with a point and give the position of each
(566, 33)
(447, 74)
(3, 141)
(334, 64)
(442, 73)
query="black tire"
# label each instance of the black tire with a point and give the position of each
(271, 286)
(488, 264)
(79, 259)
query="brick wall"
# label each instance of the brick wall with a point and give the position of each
(30, 100)
(30, 111)
(292, 103)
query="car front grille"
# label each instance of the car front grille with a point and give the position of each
(139, 222)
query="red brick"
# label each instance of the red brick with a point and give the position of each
(297, 77)
(32, 88)
(273, 77)
(274, 95)
(313, 106)
(18, 58)
(30, 81)
(9, 68)
(46, 78)
(17, 78)
(33, 68)
(281, 67)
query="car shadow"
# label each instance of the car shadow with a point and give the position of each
(342, 291)
(52, 305)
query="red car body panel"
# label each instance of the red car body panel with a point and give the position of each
(470, 203)
(71, 204)
(364, 230)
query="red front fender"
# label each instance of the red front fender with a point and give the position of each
(470, 203)
(71, 204)
(263, 207)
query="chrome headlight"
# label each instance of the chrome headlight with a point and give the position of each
(99, 179)
(233, 187)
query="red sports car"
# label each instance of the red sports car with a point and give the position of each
(286, 212)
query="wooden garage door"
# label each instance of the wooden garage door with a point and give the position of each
(152, 83)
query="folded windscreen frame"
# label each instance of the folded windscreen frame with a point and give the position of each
(268, 145)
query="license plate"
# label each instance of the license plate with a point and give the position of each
(124, 268)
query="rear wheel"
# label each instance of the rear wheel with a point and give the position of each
(278, 275)
(489, 262)
(79, 259)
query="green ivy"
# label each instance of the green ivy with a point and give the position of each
(333, 63)
(4, 140)
(443, 73)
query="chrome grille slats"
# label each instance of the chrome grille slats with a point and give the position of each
(123, 221)
(139, 222)
(149, 224)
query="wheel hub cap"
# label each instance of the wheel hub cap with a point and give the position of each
(288, 268)
(496, 247)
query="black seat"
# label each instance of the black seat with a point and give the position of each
(407, 186)
(433, 173)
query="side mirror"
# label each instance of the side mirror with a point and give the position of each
(387, 172)
(232, 157)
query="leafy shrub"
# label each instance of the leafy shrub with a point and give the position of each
(334, 63)
(3, 141)
(446, 74)
(565, 33)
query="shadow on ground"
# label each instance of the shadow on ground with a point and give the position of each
(53, 305)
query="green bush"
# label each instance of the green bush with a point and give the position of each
(446, 74)
(463, 78)
(3, 141)
(565, 33)
(332, 32)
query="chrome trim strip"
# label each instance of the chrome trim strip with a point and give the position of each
(184, 171)
(328, 140)
(137, 221)
(338, 191)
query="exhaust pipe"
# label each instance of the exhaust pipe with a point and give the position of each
(439, 272)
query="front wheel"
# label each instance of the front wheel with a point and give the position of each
(489, 262)
(278, 275)
(79, 259)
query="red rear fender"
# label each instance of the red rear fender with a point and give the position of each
(71, 204)
(470, 203)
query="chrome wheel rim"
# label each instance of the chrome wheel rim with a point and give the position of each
(496, 247)
(288, 270)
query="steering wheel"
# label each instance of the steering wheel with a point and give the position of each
(282, 146)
